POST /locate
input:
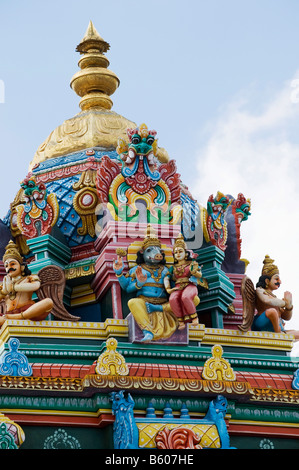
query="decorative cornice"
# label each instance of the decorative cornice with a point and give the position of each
(63, 329)
(250, 339)
(275, 395)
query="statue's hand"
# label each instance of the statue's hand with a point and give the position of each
(169, 290)
(288, 298)
(195, 270)
(7, 285)
(118, 264)
(140, 276)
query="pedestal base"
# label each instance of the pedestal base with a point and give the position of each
(180, 337)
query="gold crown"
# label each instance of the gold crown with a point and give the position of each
(269, 269)
(150, 239)
(11, 251)
(179, 241)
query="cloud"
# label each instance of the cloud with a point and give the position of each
(257, 153)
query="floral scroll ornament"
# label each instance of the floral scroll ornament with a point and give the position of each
(61, 440)
(178, 438)
(111, 362)
(217, 368)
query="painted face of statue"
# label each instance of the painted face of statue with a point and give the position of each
(12, 267)
(152, 255)
(179, 253)
(274, 283)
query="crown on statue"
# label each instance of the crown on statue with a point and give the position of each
(151, 238)
(12, 252)
(269, 268)
(180, 242)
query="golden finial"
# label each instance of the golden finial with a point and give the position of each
(94, 83)
(92, 40)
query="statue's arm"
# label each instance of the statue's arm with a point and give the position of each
(269, 301)
(128, 282)
(2, 294)
(287, 311)
(31, 284)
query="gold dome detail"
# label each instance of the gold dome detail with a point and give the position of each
(96, 125)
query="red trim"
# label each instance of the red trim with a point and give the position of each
(255, 430)
(255, 379)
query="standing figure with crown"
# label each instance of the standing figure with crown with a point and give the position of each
(17, 289)
(262, 310)
(185, 274)
(150, 308)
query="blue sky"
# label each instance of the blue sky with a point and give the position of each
(213, 78)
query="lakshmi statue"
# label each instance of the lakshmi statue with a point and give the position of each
(262, 310)
(185, 275)
(18, 287)
(150, 308)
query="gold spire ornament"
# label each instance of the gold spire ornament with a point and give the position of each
(96, 125)
(94, 83)
(269, 268)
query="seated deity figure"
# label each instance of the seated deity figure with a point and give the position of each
(18, 287)
(184, 274)
(262, 310)
(150, 308)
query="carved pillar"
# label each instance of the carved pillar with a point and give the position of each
(215, 302)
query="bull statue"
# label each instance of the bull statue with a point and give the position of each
(150, 308)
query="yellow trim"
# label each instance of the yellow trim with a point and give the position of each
(104, 330)
(45, 412)
(63, 329)
(264, 423)
(253, 339)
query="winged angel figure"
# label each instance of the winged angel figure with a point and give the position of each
(262, 310)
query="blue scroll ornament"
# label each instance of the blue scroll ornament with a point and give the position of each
(15, 363)
(295, 383)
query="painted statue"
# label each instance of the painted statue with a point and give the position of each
(18, 287)
(237, 213)
(40, 210)
(141, 188)
(213, 220)
(150, 308)
(184, 274)
(271, 312)
(125, 431)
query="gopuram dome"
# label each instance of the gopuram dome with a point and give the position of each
(96, 125)
(64, 167)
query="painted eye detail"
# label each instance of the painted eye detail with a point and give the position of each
(135, 139)
(150, 140)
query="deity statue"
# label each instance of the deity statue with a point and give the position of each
(271, 312)
(150, 308)
(185, 274)
(18, 287)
